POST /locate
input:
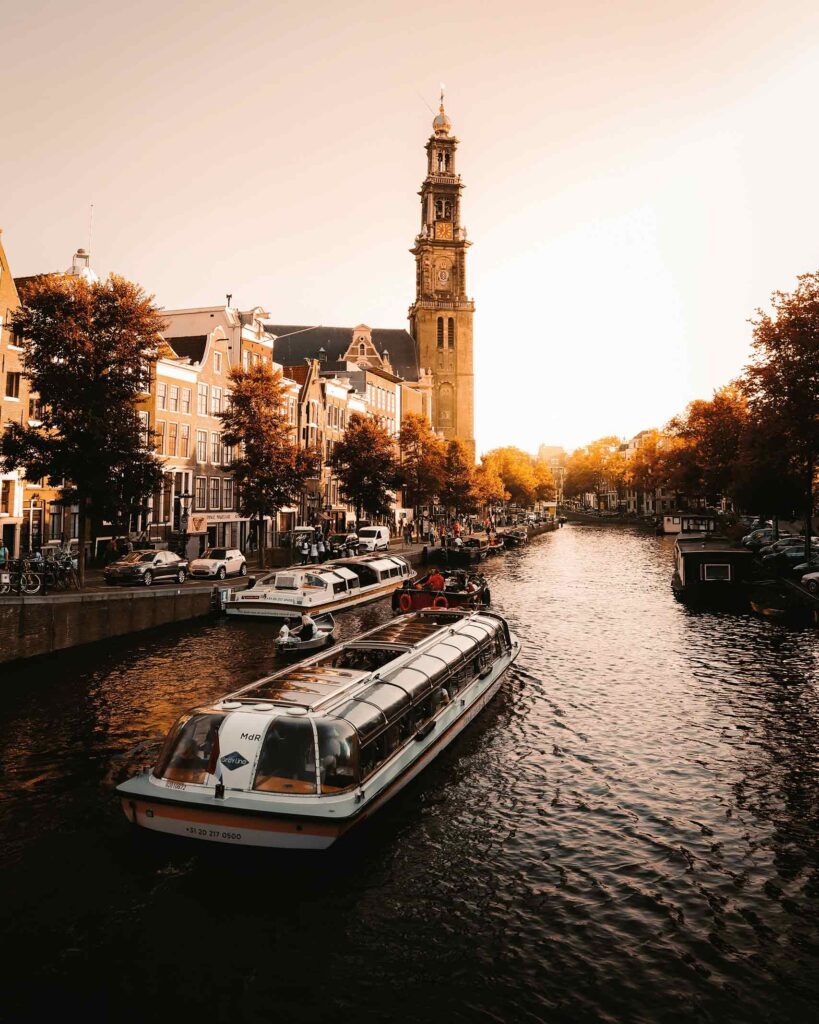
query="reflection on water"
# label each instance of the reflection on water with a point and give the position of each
(628, 833)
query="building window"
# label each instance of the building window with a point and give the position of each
(55, 520)
(184, 440)
(173, 431)
(12, 385)
(160, 436)
(246, 361)
(440, 332)
(201, 493)
(214, 492)
(451, 332)
(161, 395)
(215, 401)
(216, 449)
(202, 446)
(144, 427)
(217, 362)
(227, 454)
(35, 411)
(186, 400)
(227, 494)
(202, 399)
(174, 403)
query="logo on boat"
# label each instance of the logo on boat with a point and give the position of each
(234, 760)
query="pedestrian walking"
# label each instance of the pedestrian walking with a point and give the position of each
(322, 549)
(314, 549)
(4, 555)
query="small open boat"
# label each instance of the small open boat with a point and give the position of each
(461, 589)
(294, 645)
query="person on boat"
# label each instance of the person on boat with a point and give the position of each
(284, 632)
(458, 542)
(436, 581)
(308, 629)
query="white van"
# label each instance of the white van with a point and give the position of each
(374, 538)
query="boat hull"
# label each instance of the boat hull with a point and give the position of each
(263, 608)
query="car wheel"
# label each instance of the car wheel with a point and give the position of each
(181, 576)
(148, 578)
(243, 570)
(813, 586)
(222, 572)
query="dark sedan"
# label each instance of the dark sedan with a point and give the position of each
(786, 559)
(147, 568)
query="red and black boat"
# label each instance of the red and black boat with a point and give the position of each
(442, 588)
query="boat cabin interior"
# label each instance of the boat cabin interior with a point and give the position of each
(328, 724)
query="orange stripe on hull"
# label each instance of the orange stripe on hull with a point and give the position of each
(202, 816)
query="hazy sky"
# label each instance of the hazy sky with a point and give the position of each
(639, 175)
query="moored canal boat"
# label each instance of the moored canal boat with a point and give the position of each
(712, 569)
(298, 758)
(329, 587)
(453, 588)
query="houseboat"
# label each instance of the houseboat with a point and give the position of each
(298, 758)
(330, 587)
(688, 523)
(708, 567)
(461, 589)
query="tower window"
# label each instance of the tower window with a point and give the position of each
(440, 332)
(362, 349)
(451, 332)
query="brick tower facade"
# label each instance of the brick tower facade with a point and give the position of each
(441, 316)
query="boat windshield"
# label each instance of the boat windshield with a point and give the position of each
(338, 755)
(191, 750)
(287, 762)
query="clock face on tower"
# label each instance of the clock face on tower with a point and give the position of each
(443, 276)
(443, 230)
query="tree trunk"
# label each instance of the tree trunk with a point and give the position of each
(809, 508)
(261, 534)
(82, 530)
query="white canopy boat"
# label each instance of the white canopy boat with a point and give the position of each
(329, 587)
(298, 758)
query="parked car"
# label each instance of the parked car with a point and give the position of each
(757, 538)
(811, 581)
(147, 567)
(219, 562)
(781, 545)
(786, 559)
(802, 568)
(374, 538)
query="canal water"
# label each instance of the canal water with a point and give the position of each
(630, 832)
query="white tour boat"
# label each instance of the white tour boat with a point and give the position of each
(299, 757)
(329, 587)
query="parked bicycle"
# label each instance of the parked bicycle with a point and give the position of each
(20, 578)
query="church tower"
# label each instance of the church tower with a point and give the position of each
(441, 316)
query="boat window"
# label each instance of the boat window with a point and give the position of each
(311, 580)
(415, 683)
(287, 762)
(191, 749)
(286, 581)
(716, 572)
(376, 752)
(448, 654)
(365, 718)
(338, 755)
(364, 659)
(340, 587)
(392, 700)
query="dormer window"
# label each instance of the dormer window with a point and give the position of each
(362, 349)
